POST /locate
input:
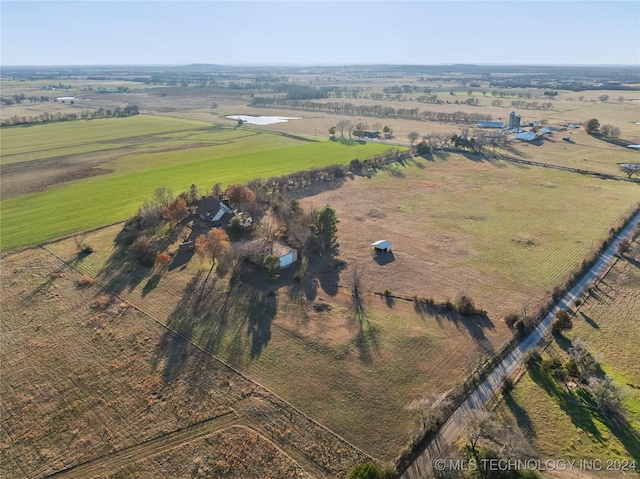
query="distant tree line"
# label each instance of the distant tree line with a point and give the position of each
(19, 99)
(47, 117)
(531, 105)
(380, 111)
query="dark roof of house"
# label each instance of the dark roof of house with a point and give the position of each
(213, 210)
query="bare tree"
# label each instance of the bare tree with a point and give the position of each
(610, 131)
(150, 215)
(630, 169)
(269, 228)
(343, 125)
(175, 212)
(164, 196)
(413, 136)
(431, 408)
(620, 99)
(479, 424)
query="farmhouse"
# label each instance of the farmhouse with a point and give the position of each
(382, 246)
(257, 249)
(214, 211)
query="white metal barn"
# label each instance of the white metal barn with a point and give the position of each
(382, 246)
(287, 255)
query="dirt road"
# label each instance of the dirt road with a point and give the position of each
(422, 466)
(112, 462)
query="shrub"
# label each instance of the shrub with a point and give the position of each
(507, 385)
(235, 225)
(571, 368)
(163, 259)
(511, 319)
(465, 305)
(101, 302)
(142, 250)
(577, 302)
(271, 264)
(562, 322)
(553, 367)
(387, 293)
(624, 246)
(366, 470)
(531, 358)
(84, 281)
(520, 328)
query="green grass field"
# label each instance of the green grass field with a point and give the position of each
(609, 323)
(230, 156)
(36, 142)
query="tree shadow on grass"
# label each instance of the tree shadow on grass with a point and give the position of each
(580, 415)
(589, 321)
(151, 283)
(180, 260)
(327, 269)
(475, 325)
(522, 417)
(261, 311)
(366, 341)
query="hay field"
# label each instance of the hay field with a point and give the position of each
(43, 190)
(609, 323)
(90, 381)
(503, 233)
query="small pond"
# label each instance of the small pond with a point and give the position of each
(263, 120)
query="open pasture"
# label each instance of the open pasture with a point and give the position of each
(90, 381)
(609, 324)
(226, 156)
(502, 233)
(302, 341)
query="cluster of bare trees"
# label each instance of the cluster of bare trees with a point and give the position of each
(380, 111)
(476, 140)
(19, 99)
(60, 116)
(531, 105)
(610, 131)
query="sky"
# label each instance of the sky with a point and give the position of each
(319, 32)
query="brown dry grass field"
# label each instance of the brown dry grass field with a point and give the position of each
(85, 374)
(502, 233)
(92, 374)
(356, 380)
(609, 323)
(359, 379)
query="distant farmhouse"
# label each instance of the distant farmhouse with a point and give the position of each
(214, 211)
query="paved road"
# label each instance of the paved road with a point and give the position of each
(421, 468)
